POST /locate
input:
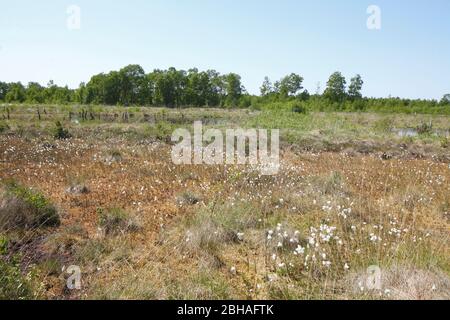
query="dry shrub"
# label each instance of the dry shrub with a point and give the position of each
(23, 208)
(203, 235)
(113, 156)
(115, 221)
(77, 189)
(188, 198)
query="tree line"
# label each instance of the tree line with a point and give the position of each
(178, 88)
(291, 86)
(132, 86)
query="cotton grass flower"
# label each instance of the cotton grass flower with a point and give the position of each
(299, 250)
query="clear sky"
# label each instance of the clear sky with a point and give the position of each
(408, 57)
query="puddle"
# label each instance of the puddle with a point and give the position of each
(411, 132)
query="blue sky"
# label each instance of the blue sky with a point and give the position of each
(408, 57)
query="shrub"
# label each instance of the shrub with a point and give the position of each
(163, 130)
(116, 154)
(188, 198)
(60, 132)
(384, 125)
(425, 128)
(22, 207)
(212, 227)
(77, 189)
(297, 108)
(113, 156)
(116, 220)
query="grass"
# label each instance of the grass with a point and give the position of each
(3, 127)
(14, 285)
(116, 220)
(351, 193)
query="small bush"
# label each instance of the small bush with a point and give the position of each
(384, 125)
(116, 220)
(210, 228)
(188, 198)
(21, 207)
(114, 156)
(77, 189)
(163, 130)
(60, 132)
(297, 108)
(425, 128)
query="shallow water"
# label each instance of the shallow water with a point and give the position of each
(411, 132)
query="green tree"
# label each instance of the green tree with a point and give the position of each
(290, 85)
(63, 95)
(196, 88)
(16, 93)
(178, 79)
(304, 95)
(35, 93)
(354, 89)
(165, 88)
(217, 91)
(147, 91)
(54, 94)
(233, 89)
(267, 87)
(80, 93)
(4, 87)
(113, 89)
(131, 78)
(445, 99)
(96, 90)
(335, 90)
